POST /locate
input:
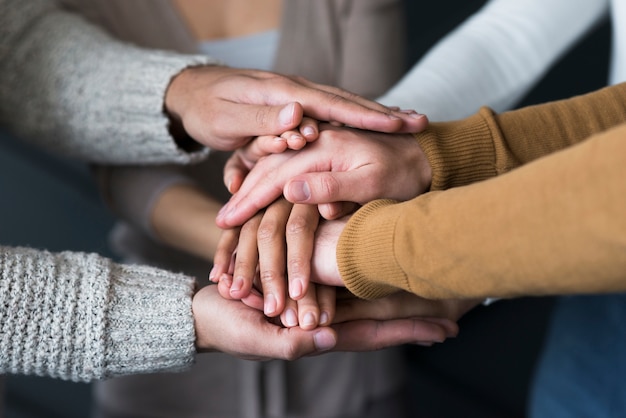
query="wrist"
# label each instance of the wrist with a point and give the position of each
(174, 104)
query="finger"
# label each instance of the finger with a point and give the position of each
(235, 171)
(226, 247)
(294, 139)
(239, 123)
(395, 306)
(336, 210)
(262, 186)
(308, 310)
(254, 300)
(325, 187)
(367, 335)
(224, 284)
(246, 260)
(309, 129)
(326, 301)
(272, 249)
(246, 333)
(338, 105)
(451, 327)
(289, 316)
(300, 236)
(294, 343)
(241, 162)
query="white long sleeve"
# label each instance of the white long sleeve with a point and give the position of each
(494, 57)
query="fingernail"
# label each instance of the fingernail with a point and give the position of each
(212, 274)
(295, 289)
(296, 137)
(226, 279)
(308, 131)
(324, 340)
(309, 319)
(299, 191)
(237, 285)
(324, 317)
(285, 117)
(270, 304)
(291, 319)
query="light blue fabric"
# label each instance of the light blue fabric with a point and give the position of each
(582, 372)
(254, 51)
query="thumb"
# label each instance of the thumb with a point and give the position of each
(238, 123)
(327, 187)
(294, 343)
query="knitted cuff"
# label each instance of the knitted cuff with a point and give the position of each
(460, 152)
(149, 321)
(365, 255)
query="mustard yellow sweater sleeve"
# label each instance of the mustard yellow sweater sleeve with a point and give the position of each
(535, 205)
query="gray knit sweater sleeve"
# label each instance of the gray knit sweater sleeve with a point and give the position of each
(73, 89)
(81, 317)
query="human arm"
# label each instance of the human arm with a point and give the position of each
(551, 226)
(82, 317)
(344, 164)
(446, 154)
(495, 57)
(73, 89)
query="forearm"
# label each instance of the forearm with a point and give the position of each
(82, 317)
(184, 217)
(73, 89)
(554, 226)
(486, 144)
(495, 57)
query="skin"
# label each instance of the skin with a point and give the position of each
(243, 104)
(294, 231)
(247, 333)
(341, 165)
(262, 245)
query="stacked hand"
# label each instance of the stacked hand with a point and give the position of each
(268, 262)
(224, 108)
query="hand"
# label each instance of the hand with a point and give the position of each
(278, 238)
(400, 305)
(405, 306)
(223, 108)
(231, 327)
(341, 165)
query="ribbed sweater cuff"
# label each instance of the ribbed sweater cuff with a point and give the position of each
(150, 321)
(365, 255)
(460, 152)
(81, 317)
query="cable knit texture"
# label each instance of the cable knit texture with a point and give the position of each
(71, 88)
(81, 317)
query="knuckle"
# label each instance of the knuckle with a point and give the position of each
(268, 277)
(262, 118)
(267, 232)
(297, 225)
(329, 185)
(296, 267)
(290, 352)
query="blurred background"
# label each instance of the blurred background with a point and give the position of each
(51, 203)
